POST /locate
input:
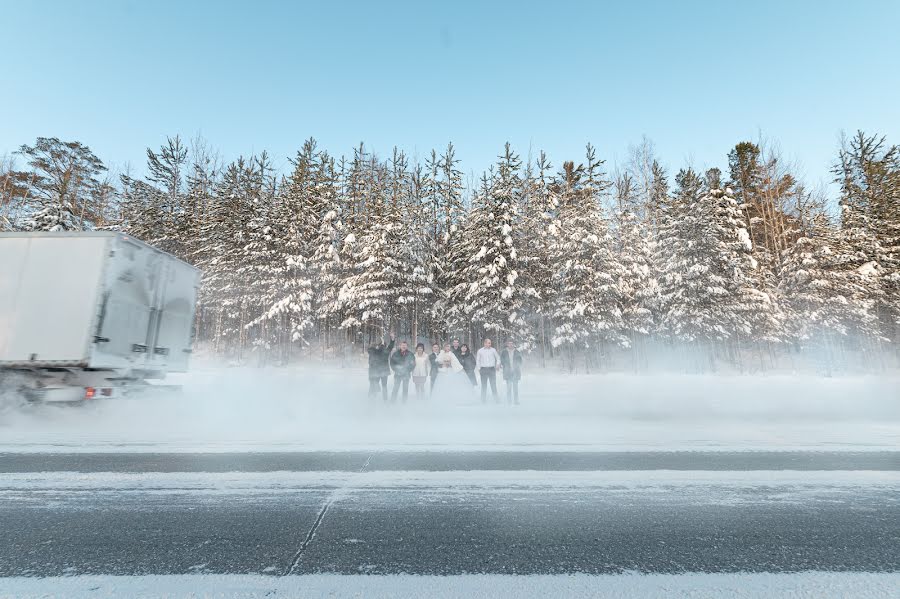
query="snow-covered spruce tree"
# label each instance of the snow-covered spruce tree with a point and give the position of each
(761, 319)
(450, 310)
(326, 265)
(857, 254)
(408, 247)
(141, 215)
(634, 250)
(200, 183)
(385, 277)
(166, 171)
(868, 172)
(224, 294)
(357, 188)
(706, 287)
(277, 265)
(540, 208)
(54, 218)
(488, 293)
(441, 213)
(450, 190)
(421, 256)
(758, 318)
(764, 190)
(154, 209)
(258, 267)
(827, 303)
(376, 288)
(586, 305)
(365, 293)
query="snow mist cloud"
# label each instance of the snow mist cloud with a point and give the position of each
(271, 409)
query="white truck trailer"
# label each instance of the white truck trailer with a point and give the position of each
(91, 314)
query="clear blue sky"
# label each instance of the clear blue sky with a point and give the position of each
(695, 77)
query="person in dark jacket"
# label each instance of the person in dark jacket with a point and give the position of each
(432, 357)
(467, 359)
(402, 363)
(511, 359)
(379, 354)
(456, 349)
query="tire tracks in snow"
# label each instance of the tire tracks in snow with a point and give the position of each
(336, 495)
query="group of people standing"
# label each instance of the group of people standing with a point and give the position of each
(455, 361)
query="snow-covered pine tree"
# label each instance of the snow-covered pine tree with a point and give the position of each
(540, 208)
(450, 311)
(634, 250)
(488, 293)
(756, 316)
(826, 304)
(277, 265)
(166, 170)
(450, 190)
(586, 306)
(154, 208)
(224, 294)
(533, 245)
(857, 254)
(63, 185)
(407, 247)
(379, 276)
(54, 218)
(868, 172)
(326, 265)
(706, 287)
(764, 190)
(442, 212)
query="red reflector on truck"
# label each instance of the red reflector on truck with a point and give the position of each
(89, 392)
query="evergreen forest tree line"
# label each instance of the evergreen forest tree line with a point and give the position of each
(745, 267)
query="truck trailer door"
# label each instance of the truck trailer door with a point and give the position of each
(174, 317)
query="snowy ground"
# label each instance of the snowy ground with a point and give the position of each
(241, 409)
(812, 585)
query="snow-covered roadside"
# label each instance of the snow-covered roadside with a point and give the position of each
(446, 481)
(814, 585)
(247, 409)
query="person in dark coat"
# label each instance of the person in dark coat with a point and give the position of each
(467, 359)
(456, 348)
(403, 362)
(379, 354)
(511, 359)
(432, 357)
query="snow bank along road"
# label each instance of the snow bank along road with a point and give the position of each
(445, 513)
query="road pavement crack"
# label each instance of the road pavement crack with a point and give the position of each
(335, 495)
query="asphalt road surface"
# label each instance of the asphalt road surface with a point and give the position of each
(448, 513)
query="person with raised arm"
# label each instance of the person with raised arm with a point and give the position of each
(379, 370)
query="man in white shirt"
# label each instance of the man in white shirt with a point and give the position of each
(487, 360)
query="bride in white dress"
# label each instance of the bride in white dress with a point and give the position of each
(448, 369)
